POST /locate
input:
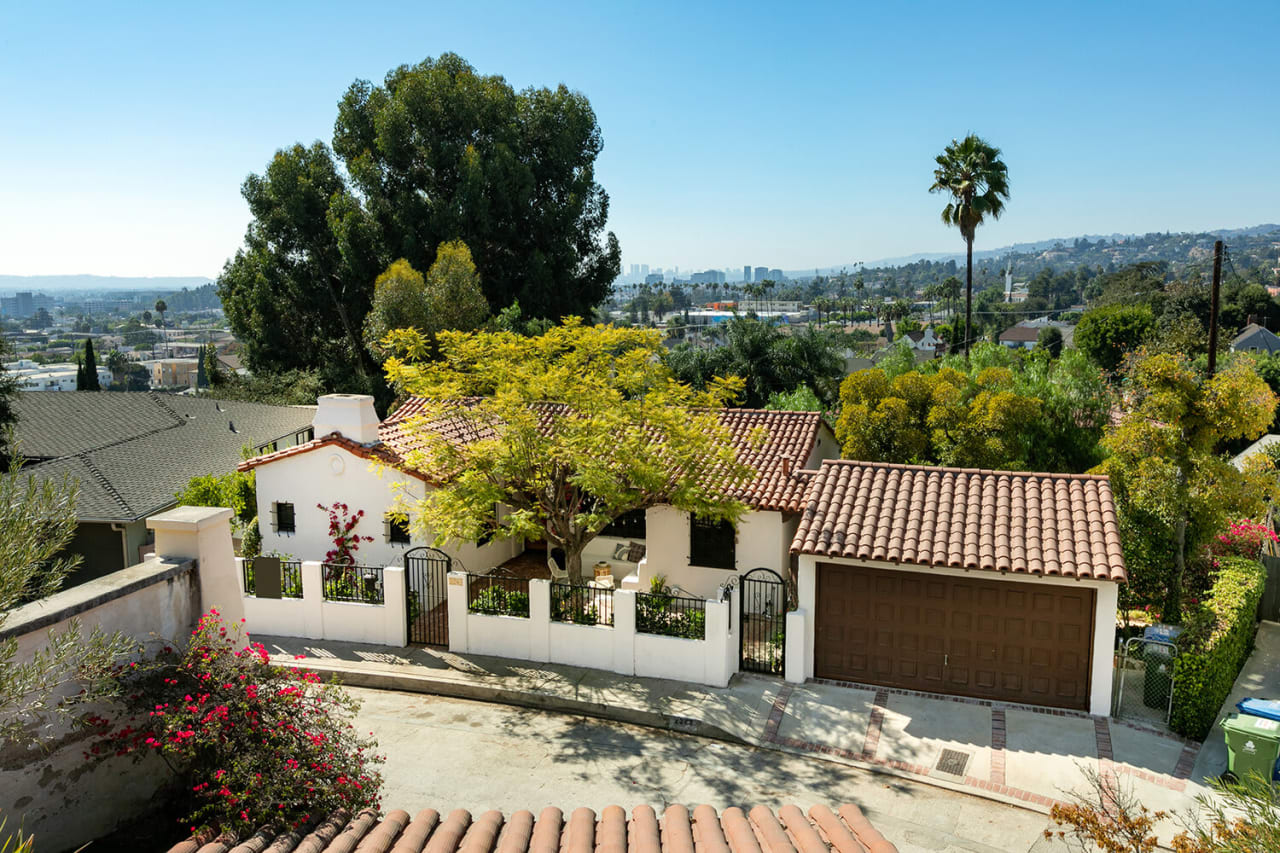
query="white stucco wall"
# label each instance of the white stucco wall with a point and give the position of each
(332, 474)
(311, 616)
(1104, 622)
(619, 647)
(764, 539)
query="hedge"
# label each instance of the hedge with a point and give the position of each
(1214, 646)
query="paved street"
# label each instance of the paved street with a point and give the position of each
(452, 753)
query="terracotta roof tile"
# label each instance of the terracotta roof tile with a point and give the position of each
(785, 441)
(1006, 521)
(677, 831)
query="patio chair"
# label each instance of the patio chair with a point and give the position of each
(558, 573)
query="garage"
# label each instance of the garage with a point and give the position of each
(997, 585)
(989, 639)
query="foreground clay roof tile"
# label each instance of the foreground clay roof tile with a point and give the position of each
(677, 830)
(775, 444)
(1004, 521)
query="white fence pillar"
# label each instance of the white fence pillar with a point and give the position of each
(624, 631)
(717, 644)
(313, 599)
(203, 533)
(458, 612)
(540, 620)
(394, 602)
(795, 664)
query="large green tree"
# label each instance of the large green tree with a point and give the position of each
(1175, 486)
(435, 153)
(1108, 334)
(998, 410)
(570, 429)
(971, 172)
(448, 297)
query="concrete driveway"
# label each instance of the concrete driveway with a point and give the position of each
(452, 753)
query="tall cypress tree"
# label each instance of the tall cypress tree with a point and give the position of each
(79, 375)
(202, 376)
(90, 367)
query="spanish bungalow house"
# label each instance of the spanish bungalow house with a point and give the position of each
(994, 585)
(997, 585)
(358, 461)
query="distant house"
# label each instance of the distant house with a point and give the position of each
(132, 453)
(1025, 334)
(924, 341)
(1019, 337)
(1255, 338)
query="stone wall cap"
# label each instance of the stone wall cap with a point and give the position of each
(193, 518)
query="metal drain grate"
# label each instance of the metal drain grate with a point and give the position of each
(953, 762)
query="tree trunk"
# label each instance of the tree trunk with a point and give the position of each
(968, 295)
(1172, 610)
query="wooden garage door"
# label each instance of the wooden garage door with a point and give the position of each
(991, 639)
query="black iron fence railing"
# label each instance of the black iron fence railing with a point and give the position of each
(581, 605)
(290, 578)
(671, 615)
(498, 595)
(348, 582)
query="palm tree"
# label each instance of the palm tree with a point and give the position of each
(975, 177)
(162, 307)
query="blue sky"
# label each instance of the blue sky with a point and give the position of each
(781, 135)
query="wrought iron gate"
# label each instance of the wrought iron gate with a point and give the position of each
(762, 620)
(427, 586)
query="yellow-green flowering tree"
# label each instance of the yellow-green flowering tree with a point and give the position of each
(568, 430)
(1174, 485)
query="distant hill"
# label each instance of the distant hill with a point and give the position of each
(1172, 247)
(11, 283)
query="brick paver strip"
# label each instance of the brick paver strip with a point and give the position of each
(998, 735)
(872, 743)
(775, 716)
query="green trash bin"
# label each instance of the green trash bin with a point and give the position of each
(1253, 744)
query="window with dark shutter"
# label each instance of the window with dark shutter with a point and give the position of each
(712, 544)
(284, 522)
(397, 529)
(629, 525)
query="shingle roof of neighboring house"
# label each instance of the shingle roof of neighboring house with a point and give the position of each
(1256, 337)
(132, 452)
(1020, 334)
(677, 830)
(788, 439)
(1039, 524)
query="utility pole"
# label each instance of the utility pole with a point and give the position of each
(1213, 306)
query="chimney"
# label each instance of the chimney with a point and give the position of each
(352, 415)
(786, 466)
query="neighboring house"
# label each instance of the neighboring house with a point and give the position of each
(358, 461)
(1019, 337)
(173, 372)
(991, 584)
(1255, 338)
(32, 376)
(131, 453)
(925, 341)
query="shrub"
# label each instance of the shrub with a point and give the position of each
(1214, 645)
(251, 743)
(498, 601)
